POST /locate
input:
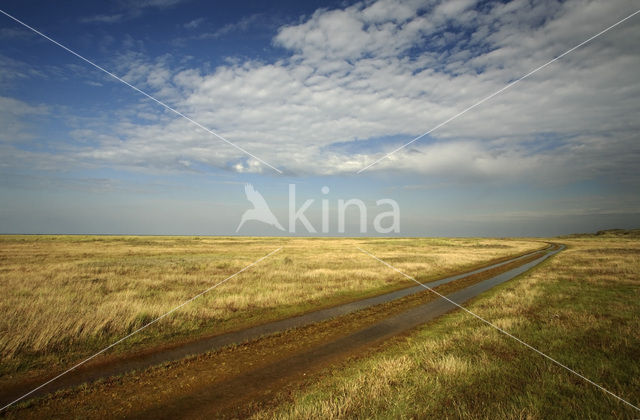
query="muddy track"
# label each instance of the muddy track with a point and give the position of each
(237, 397)
(388, 327)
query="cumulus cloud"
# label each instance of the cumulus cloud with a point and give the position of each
(361, 80)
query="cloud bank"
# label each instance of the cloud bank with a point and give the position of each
(357, 82)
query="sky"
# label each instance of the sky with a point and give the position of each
(319, 90)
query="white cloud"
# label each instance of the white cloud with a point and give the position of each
(129, 10)
(243, 25)
(142, 4)
(193, 24)
(19, 108)
(15, 33)
(390, 68)
(12, 70)
(14, 119)
(114, 18)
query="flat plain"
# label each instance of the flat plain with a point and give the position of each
(580, 307)
(65, 297)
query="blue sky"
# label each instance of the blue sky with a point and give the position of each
(319, 90)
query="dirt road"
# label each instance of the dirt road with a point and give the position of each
(245, 380)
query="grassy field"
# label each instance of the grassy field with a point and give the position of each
(65, 297)
(581, 308)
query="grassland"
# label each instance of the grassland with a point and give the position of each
(581, 308)
(65, 297)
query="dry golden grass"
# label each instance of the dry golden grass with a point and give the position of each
(67, 296)
(581, 307)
